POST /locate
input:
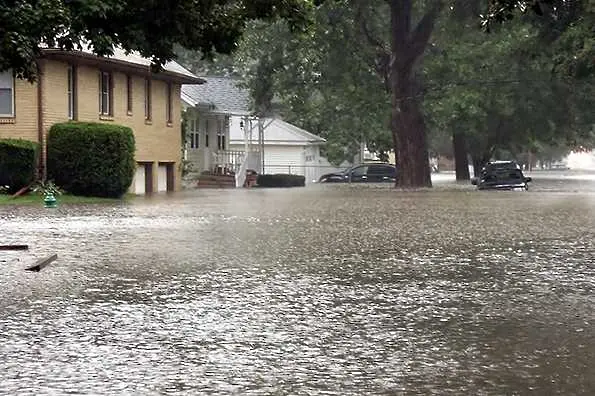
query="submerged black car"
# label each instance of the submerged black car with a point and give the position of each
(364, 173)
(501, 175)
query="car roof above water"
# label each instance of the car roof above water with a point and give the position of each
(502, 165)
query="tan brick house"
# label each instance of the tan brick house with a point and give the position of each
(77, 85)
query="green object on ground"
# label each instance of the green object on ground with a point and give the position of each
(50, 201)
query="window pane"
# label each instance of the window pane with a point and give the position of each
(6, 79)
(5, 101)
(129, 93)
(360, 171)
(168, 105)
(105, 103)
(147, 99)
(105, 83)
(70, 93)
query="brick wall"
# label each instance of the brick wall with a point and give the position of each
(24, 124)
(156, 141)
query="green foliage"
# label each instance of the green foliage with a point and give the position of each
(149, 27)
(322, 79)
(18, 161)
(91, 159)
(499, 91)
(281, 180)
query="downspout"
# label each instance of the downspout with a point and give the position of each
(41, 173)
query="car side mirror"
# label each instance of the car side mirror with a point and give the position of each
(474, 181)
(528, 179)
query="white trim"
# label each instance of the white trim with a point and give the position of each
(107, 111)
(12, 96)
(70, 91)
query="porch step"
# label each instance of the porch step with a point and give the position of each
(216, 181)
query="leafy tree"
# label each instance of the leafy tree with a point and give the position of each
(149, 27)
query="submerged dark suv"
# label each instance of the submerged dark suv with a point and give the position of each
(364, 173)
(501, 175)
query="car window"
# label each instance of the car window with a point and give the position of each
(382, 170)
(376, 170)
(359, 171)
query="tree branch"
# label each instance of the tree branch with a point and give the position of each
(419, 37)
(375, 42)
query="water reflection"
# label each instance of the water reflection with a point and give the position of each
(325, 290)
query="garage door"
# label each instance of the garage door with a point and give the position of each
(284, 159)
(139, 180)
(161, 178)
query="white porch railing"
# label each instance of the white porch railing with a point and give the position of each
(236, 163)
(229, 160)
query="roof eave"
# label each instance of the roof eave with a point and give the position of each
(58, 54)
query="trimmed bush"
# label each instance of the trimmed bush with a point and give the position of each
(91, 159)
(281, 180)
(18, 160)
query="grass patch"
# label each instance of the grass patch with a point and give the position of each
(66, 199)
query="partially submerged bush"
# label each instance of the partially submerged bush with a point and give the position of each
(281, 180)
(92, 159)
(18, 160)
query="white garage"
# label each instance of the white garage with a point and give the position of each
(139, 184)
(287, 148)
(161, 178)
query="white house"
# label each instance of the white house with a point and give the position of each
(208, 112)
(286, 148)
(224, 137)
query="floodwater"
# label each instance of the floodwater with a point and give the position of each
(323, 290)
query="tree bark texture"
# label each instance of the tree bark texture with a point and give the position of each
(461, 161)
(407, 123)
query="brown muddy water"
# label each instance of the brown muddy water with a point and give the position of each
(324, 290)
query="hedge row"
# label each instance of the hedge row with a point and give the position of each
(91, 159)
(18, 160)
(281, 180)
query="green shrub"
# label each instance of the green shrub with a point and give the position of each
(281, 180)
(18, 161)
(91, 159)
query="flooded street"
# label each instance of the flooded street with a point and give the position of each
(323, 290)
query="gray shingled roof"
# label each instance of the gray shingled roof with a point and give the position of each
(220, 92)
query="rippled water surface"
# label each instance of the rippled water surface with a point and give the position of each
(324, 290)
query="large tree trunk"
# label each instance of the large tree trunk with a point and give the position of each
(407, 123)
(461, 161)
(410, 139)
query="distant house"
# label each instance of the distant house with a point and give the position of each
(223, 135)
(287, 148)
(209, 108)
(77, 85)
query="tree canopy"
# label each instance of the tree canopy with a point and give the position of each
(151, 27)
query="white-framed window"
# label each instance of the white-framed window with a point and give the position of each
(6, 94)
(194, 134)
(105, 93)
(148, 105)
(71, 92)
(220, 134)
(169, 104)
(129, 94)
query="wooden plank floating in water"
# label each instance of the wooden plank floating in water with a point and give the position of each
(40, 264)
(14, 247)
